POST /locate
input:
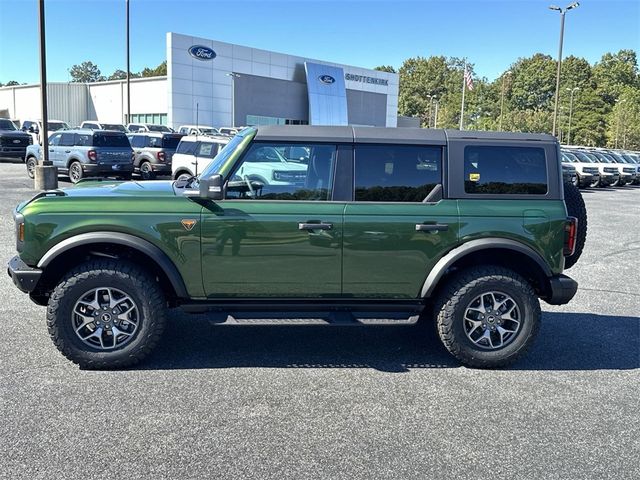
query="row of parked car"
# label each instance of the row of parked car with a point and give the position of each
(600, 167)
(82, 152)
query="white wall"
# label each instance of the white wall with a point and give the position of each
(109, 99)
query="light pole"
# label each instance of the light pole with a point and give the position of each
(572, 90)
(435, 120)
(508, 72)
(619, 103)
(233, 76)
(128, 68)
(562, 14)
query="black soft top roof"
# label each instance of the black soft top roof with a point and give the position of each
(348, 134)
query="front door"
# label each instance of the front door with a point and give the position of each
(392, 236)
(277, 233)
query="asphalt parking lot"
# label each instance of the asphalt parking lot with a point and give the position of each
(337, 402)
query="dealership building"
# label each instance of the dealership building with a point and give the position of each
(220, 84)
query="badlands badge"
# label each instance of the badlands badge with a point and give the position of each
(188, 224)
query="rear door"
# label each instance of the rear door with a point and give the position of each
(113, 148)
(392, 235)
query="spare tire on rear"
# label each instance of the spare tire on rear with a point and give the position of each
(576, 208)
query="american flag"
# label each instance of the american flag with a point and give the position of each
(467, 78)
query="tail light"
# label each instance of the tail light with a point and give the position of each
(93, 155)
(161, 156)
(570, 235)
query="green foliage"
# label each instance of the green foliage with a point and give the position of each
(160, 70)
(86, 72)
(118, 75)
(386, 68)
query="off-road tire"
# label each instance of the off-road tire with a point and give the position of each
(127, 277)
(459, 292)
(31, 164)
(576, 208)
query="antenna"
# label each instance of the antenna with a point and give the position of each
(197, 132)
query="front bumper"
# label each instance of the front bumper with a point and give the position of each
(13, 152)
(561, 290)
(25, 277)
(587, 179)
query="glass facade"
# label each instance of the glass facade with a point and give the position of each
(254, 120)
(156, 118)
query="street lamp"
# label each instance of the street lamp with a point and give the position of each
(618, 102)
(562, 14)
(233, 76)
(435, 120)
(572, 90)
(431, 99)
(508, 72)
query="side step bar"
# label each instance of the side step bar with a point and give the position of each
(333, 318)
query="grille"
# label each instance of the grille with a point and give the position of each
(590, 170)
(610, 170)
(9, 141)
(629, 170)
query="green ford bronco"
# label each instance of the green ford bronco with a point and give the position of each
(344, 224)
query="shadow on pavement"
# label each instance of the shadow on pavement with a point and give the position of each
(567, 341)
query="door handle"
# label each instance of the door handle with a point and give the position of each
(431, 227)
(51, 151)
(67, 151)
(315, 226)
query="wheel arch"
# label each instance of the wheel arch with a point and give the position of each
(491, 251)
(74, 250)
(180, 171)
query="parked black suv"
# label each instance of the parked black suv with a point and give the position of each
(13, 142)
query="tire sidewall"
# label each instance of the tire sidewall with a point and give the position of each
(529, 309)
(84, 352)
(34, 162)
(148, 174)
(73, 165)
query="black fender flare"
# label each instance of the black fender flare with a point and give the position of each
(125, 239)
(440, 268)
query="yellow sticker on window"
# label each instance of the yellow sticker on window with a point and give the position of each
(474, 177)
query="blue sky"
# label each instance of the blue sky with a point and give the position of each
(490, 33)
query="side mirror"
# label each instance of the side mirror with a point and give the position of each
(211, 187)
(33, 129)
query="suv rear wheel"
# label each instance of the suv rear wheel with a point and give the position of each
(106, 314)
(146, 172)
(487, 316)
(75, 172)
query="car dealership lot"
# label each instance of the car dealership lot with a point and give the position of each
(327, 402)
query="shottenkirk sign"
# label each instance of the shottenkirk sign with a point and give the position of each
(365, 79)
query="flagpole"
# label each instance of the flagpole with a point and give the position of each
(463, 90)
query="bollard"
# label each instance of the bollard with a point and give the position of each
(45, 177)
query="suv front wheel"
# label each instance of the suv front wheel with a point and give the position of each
(487, 316)
(106, 314)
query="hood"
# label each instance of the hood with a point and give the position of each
(114, 188)
(14, 133)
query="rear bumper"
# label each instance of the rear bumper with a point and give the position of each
(24, 277)
(562, 290)
(107, 170)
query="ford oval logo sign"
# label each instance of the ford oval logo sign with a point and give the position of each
(326, 79)
(202, 53)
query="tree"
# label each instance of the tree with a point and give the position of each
(118, 75)
(615, 71)
(534, 83)
(386, 68)
(86, 72)
(158, 71)
(11, 83)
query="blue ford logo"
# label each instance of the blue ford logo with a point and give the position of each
(326, 79)
(202, 53)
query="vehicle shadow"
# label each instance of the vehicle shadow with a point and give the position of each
(567, 341)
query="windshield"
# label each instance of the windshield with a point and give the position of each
(601, 158)
(237, 143)
(158, 128)
(570, 157)
(618, 158)
(208, 131)
(114, 126)
(630, 158)
(53, 126)
(7, 124)
(582, 157)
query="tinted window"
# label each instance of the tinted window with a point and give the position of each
(110, 140)
(82, 139)
(207, 149)
(396, 173)
(171, 141)
(187, 148)
(138, 141)
(6, 124)
(154, 142)
(114, 126)
(158, 128)
(90, 125)
(67, 139)
(500, 170)
(263, 174)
